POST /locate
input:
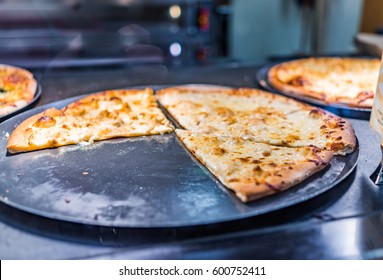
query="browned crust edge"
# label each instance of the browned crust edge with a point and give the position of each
(288, 89)
(342, 138)
(19, 139)
(289, 178)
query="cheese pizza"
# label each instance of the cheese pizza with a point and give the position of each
(100, 116)
(17, 88)
(254, 170)
(256, 143)
(258, 115)
(348, 81)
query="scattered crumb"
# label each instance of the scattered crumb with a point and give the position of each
(84, 143)
(7, 135)
(85, 173)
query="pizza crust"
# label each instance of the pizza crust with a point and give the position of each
(341, 133)
(297, 90)
(289, 178)
(19, 139)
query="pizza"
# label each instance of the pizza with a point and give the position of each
(17, 88)
(258, 115)
(348, 81)
(99, 116)
(251, 169)
(256, 143)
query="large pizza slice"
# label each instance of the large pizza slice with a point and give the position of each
(17, 88)
(254, 170)
(100, 116)
(258, 115)
(349, 81)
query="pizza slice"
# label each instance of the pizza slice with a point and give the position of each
(258, 115)
(17, 88)
(100, 116)
(254, 170)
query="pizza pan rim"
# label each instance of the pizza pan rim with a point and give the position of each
(350, 164)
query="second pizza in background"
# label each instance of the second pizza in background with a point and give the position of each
(331, 80)
(17, 88)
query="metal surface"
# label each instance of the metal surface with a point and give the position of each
(377, 176)
(338, 109)
(143, 182)
(27, 106)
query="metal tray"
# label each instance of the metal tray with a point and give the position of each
(341, 110)
(141, 182)
(21, 109)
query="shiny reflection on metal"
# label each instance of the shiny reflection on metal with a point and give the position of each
(27, 106)
(141, 182)
(377, 176)
(338, 109)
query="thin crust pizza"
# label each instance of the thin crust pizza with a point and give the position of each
(100, 116)
(255, 142)
(348, 81)
(254, 170)
(258, 115)
(17, 88)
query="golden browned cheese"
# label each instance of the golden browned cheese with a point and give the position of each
(258, 115)
(17, 88)
(349, 81)
(254, 170)
(105, 115)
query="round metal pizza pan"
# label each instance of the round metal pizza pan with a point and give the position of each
(27, 106)
(140, 182)
(339, 109)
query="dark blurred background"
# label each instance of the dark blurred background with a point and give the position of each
(42, 33)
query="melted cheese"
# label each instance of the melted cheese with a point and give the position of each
(335, 78)
(17, 88)
(258, 116)
(119, 113)
(238, 162)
